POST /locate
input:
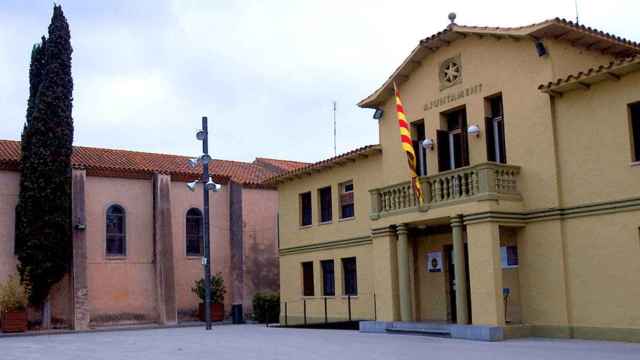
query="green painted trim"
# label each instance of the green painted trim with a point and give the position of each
(600, 208)
(356, 241)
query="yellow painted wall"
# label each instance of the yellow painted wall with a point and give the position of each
(337, 306)
(603, 270)
(594, 142)
(365, 174)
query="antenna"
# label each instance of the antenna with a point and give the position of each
(577, 15)
(335, 151)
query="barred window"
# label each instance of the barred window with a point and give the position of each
(116, 231)
(194, 233)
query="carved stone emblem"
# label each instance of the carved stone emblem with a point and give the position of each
(450, 72)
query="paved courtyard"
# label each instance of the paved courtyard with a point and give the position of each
(257, 342)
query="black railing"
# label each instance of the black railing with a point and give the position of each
(328, 311)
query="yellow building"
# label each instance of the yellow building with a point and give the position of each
(528, 143)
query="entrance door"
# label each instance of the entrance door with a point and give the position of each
(451, 283)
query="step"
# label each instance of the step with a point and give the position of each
(424, 331)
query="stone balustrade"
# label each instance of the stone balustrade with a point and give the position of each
(471, 183)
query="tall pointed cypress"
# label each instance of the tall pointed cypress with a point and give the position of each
(43, 232)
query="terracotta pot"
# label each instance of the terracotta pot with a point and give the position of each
(14, 321)
(217, 312)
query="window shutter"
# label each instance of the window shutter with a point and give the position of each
(502, 144)
(442, 138)
(491, 143)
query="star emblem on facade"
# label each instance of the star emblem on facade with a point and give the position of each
(451, 72)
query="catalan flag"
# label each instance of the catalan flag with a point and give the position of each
(407, 146)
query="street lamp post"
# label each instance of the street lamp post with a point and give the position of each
(208, 184)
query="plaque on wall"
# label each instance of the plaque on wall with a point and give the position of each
(434, 261)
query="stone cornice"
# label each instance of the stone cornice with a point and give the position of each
(351, 242)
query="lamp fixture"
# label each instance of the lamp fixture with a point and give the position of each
(213, 186)
(474, 130)
(192, 185)
(378, 114)
(200, 135)
(427, 144)
(194, 162)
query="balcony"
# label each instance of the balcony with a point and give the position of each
(486, 181)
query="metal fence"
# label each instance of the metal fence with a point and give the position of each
(327, 310)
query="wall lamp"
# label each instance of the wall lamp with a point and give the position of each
(474, 130)
(427, 144)
(378, 114)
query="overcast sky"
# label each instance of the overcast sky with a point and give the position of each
(264, 72)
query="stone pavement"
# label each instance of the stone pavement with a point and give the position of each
(258, 342)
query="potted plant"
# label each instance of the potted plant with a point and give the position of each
(217, 297)
(14, 297)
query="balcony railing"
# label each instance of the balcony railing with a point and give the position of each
(471, 183)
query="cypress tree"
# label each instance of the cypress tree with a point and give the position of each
(43, 224)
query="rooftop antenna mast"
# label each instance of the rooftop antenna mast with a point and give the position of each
(577, 15)
(335, 151)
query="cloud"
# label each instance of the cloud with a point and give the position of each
(265, 73)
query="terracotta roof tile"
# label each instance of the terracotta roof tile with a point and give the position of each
(327, 163)
(111, 162)
(283, 165)
(613, 69)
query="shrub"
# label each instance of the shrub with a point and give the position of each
(266, 307)
(14, 296)
(217, 289)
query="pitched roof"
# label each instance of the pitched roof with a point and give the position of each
(584, 79)
(559, 29)
(125, 163)
(362, 152)
(284, 165)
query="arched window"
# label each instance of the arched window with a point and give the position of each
(116, 231)
(194, 232)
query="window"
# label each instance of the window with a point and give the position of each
(307, 278)
(324, 195)
(634, 110)
(346, 200)
(453, 147)
(494, 127)
(305, 209)
(417, 137)
(328, 278)
(509, 257)
(116, 231)
(194, 233)
(350, 276)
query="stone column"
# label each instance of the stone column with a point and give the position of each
(163, 250)
(80, 315)
(462, 311)
(236, 225)
(404, 284)
(486, 273)
(385, 273)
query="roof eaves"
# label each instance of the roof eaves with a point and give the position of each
(364, 151)
(584, 79)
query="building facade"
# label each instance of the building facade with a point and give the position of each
(138, 234)
(528, 149)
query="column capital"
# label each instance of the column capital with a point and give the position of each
(456, 220)
(402, 229)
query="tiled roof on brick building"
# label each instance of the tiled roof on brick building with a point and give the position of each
(125, 163)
